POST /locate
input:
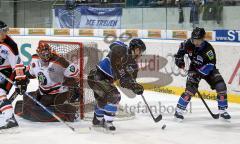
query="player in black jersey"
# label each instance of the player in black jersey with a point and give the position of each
(202, 66)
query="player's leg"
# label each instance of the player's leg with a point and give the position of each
(107, 97)
(217, 82)
(29, 110)
(191, 88)
(7, 119)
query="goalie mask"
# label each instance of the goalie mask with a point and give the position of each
(136, 47)
(44, 51)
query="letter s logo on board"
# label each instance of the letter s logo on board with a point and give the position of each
(231, 35)
(25, 53)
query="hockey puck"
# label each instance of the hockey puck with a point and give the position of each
(163, 127)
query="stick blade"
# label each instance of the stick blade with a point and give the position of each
(158, 118)
(215, 116)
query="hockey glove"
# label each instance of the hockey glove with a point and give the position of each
(179, 61)
(20, 79)
(137, 89)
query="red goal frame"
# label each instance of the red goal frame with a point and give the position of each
(81, 69)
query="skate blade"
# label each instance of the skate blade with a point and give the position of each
(225, 120)
(82, 130)
(14, 130)
(102, 130)
(178, 120)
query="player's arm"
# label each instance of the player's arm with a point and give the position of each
(179, 56)
(127, 81)
(31, 66)
(19, 70)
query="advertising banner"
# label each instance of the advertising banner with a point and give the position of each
(88, 17)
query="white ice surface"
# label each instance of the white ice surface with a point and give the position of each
(197, 128)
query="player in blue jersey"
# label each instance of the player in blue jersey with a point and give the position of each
(101, 80)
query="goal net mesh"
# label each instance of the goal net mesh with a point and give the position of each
(86, 55)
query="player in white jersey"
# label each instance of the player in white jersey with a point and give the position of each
(11, 68)
(57, 80)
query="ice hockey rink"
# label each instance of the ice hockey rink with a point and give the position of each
(81, 31)
(198, 127)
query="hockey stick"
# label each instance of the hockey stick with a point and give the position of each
(215, 116)
(15, 94)
(157, 119)
(50, 112)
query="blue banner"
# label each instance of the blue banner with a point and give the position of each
(228, 35)
(88, 17)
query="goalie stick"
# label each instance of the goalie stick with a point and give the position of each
(50, 112)
(215, 116)
(40, 104)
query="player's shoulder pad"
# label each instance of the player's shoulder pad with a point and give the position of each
(105, 66)
(60, 61)
(206, 46)
(188, 44)
(11, 44)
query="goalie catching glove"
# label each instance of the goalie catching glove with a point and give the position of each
(21, 80)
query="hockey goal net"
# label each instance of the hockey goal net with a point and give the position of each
(86, 55)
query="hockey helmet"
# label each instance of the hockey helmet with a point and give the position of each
(3, 27)
(198, 33)
(118, 53)
(137, 43)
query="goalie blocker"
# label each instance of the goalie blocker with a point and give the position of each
(58, 87)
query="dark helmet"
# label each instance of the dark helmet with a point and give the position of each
(137, 43)
(198, 33)
(3, 27)
(118, 53)
(119, 43)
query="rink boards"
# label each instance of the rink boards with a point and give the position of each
(158, 71)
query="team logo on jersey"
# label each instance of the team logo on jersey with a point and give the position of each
(42, 78)
(51, 69)
(4, 52)
(210, 55)
(199, 58)
(2, 60)
(72, 68)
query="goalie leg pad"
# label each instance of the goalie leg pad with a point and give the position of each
(29, 110)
